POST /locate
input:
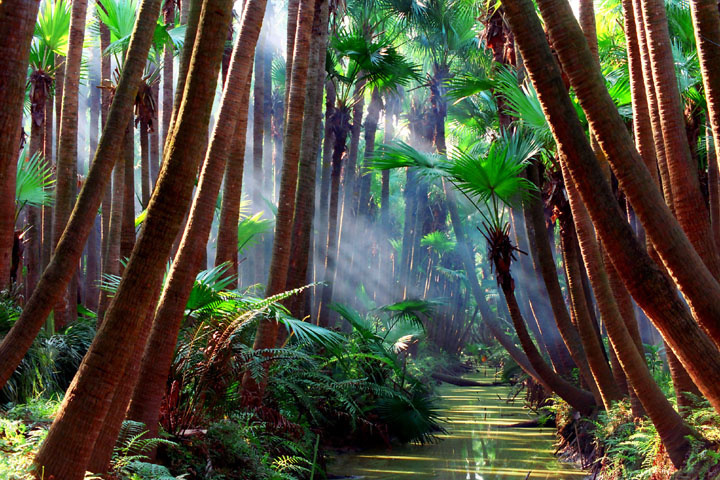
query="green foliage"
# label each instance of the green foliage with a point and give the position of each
(51, 362)
(34, 182)
(251, 228)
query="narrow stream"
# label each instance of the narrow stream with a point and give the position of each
(474, 448)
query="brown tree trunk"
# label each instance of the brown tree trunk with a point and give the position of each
(591, 342)
(17, 23)
(653, 291)
(145, 405)
(267, 329)
(57, 275)
(544, 262)
(227, 237)
(66, 167)
(105, 99)
(66, 450)
(669, 424)
(144, 165)
(689, 205)
(305, 202)
(127, 230)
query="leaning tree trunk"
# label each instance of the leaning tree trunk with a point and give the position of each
(157, 359)
(66, 166)
(105, 99)
(66, 450)
(17, 21)
(57, 275)
(544, 262)
(267, 329)
(689, 205)
(590, 340)
(652, 290)
(670, 426)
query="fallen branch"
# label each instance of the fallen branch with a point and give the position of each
(463, 382)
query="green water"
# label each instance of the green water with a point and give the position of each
(474, 448)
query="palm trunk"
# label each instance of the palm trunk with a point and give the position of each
(580, 400)
(145, 406)
(258, 259)
(689, 205)
(68, 446)
(111, 254)
(46, 233)
(17, 22)
(670, 426)
(305, 204)
(61, 268)
(227, 237)
(544, 262)
(127, 229)
(144, 165)
(267, 329)
(653, 291)
(155, 141)
(105, 67)
(340, 122)
(590, 340)
(66, 167)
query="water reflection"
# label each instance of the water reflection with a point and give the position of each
(475, 448)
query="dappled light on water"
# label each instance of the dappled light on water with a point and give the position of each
(478, 444)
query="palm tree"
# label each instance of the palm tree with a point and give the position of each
(51, 37)
(266, 335)
(301, 245)
(158, 355)
(655, 293)
(57, 275)
(17, 20)
(66, 450)
(66, 165)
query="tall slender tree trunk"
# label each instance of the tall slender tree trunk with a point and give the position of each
(144, 164)
(66, 167)
(105, 99)
(158, 354)
(325, 172)
(61, 268)
(590, 340)
(300, 247)
(544, 262)
(17, 23)
(258, 259)
(68, 446)
(689, 205)
(267, 329)
(340, 122)
(227, 237)
(653, 291)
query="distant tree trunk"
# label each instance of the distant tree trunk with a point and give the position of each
(46, 232)
(258, 259)
(66, 167)
(112, 253)
(340, 122)
(371, 125)
(127, 235)
(325, 171)
(94, 249)
(144, 165)
(267, 329)
(57, 275)
(227, 237)
(17, 23)
(155, 141)
(168, 13)
(105, 99)
(68, 446)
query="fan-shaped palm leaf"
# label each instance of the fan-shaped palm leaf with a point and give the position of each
(34, 182)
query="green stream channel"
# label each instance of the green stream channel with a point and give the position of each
(474, 448)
